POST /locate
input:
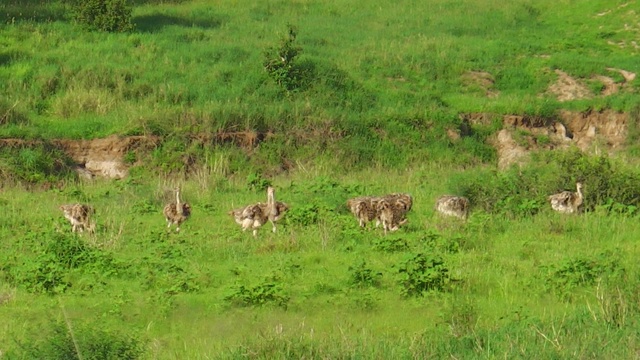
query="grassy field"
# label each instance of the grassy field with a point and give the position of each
(363, 110)
(542, 286)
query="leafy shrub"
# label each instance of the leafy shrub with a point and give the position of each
(582, 271)
(437, 242)
(256, 182)
(604, 180)
(519, 192)
(391, 244)
(103, 15)
(144, 207)
(269, 291)
(36, 164)
(363, 276)
(89, 341)
(281, 65)
(61, 254)
(304, 215)
(420, 273)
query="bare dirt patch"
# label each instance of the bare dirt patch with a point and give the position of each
(481, 81)
(596, 131)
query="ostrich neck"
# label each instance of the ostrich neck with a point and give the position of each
(178, 207)
(271, 203)
(579, 199)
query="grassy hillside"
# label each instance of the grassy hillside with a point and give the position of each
(364, 109)
(198, 66)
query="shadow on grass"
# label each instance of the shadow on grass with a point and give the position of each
(7, 58)
(155, 22)
(31, 10)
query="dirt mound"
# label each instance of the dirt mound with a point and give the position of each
(597, 132)
(97, 157)
(104, 157)
(566, 88)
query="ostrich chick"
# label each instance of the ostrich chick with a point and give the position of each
(451, 205)
(567, 202)
(79, 215)
(176, 212)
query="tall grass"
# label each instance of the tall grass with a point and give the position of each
(320, 287)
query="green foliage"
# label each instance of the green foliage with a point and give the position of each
(305, 215)
(439, 243)
(103, 15)
(49, 271)
(523, 191)
(281, 62)
(391, 244)
(10, 115)
(35, 164)
(605, 180)
(420, 273)
(270, 291)
(583, 271)
(361, 275)
(256, 182)
(80, 341)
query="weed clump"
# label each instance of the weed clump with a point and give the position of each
(421, 273)
(83, 341)
(103, 15)
(269, 291)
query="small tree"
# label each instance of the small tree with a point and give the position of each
(280, 61)
(103, 15)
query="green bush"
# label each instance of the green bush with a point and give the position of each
(281, 65)
(362, 275)
(88, 341)
(60, 255)
(103, 15)
(523, 191)
(582, 271)
(38, 163)
(269, 291)
(421, 273)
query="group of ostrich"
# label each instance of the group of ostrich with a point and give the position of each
(389, 210)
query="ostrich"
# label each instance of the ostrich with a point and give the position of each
(451, 205)
(364, 208)
(567, 202)
(79, 215)
(399, 200)
(255, 215)
(176, 212)
(390, 215)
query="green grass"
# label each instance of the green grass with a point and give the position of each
(171, 291)
(195, 58)
(380, 85)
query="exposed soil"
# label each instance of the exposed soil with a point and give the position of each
(595, 132)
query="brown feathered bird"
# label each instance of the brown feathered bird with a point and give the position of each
(567, 202)
(451, 205)
(79, 215)
(255, 215)
(176, 212)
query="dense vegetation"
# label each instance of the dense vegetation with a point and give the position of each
(345, 99)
